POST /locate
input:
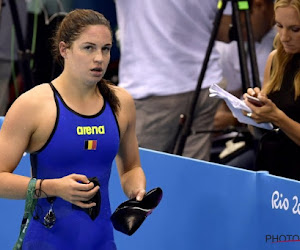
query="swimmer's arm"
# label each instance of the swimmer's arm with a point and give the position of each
(15, 134)
(131, 174)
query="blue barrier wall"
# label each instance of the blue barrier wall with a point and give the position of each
(214, 207)
(204, 206)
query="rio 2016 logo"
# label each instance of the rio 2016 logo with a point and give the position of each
(280, 202)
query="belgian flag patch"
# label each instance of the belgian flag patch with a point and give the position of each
(90, 144)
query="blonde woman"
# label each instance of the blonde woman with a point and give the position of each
(280, 149)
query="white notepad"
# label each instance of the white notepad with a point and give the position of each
(236, 106)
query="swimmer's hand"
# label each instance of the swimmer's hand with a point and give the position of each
(76, 189)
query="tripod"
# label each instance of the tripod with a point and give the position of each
(186, 120)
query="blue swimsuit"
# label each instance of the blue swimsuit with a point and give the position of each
(83, 145)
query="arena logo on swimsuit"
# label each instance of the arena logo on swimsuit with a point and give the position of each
(90, 130)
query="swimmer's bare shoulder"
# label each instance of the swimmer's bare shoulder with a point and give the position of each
(32, 115)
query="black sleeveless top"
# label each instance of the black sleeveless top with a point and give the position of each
(277, 153)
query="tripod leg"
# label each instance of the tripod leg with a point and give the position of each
(252, 52)
(240, 42)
